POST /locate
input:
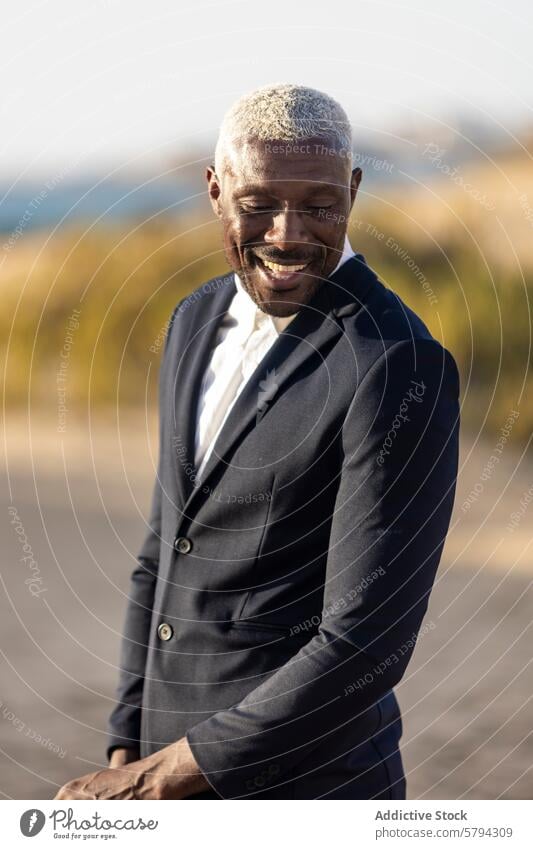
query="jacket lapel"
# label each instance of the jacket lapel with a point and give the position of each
(193, 359)
(316, 325)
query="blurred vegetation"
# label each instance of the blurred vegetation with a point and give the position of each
(125, 280)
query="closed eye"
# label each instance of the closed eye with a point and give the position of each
(254, 208)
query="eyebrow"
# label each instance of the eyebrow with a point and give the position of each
(251, 189)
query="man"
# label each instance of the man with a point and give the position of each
(308, 456)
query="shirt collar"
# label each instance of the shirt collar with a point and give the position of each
(248, 314)
(347, 253)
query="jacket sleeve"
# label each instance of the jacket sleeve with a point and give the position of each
(391, 516)
(125, 720)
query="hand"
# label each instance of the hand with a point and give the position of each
(171, 773)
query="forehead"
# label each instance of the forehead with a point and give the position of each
(310, 164)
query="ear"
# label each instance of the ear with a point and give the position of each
(214, 190)
(354, 184)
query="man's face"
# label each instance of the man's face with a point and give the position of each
(284, 214)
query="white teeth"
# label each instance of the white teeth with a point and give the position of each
(284, 269)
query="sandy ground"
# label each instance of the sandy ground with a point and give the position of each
(80, 498)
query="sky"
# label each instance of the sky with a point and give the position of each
(92, 85)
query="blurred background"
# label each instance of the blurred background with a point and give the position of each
(110, 114)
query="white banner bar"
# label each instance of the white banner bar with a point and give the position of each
(269, 824)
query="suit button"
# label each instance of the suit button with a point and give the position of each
(164, 631)
(183, 545)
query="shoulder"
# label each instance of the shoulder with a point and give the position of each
(385, 331)
(384, 314)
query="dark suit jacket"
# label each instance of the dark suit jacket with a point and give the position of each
(295, 574)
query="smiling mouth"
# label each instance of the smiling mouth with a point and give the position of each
(278, 268)
(286, 273)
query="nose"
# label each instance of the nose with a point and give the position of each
(287, 230)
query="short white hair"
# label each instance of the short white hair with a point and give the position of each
(283, 112)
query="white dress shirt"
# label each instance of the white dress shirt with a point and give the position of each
(244, 336)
